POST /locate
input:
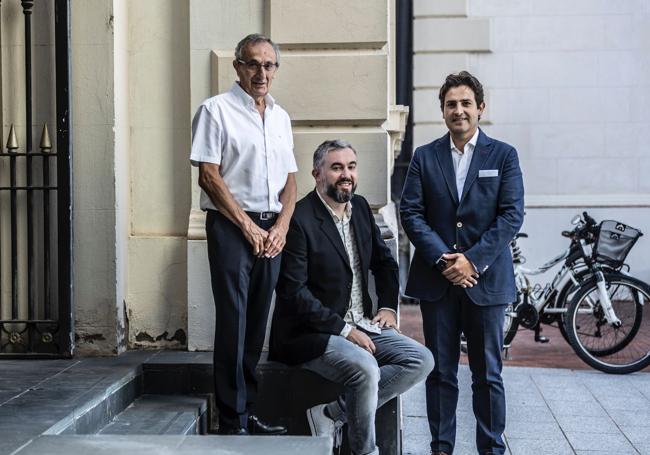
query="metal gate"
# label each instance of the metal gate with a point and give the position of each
(36, 318)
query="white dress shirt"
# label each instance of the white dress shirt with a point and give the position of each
(255, 156)
(354, 316)
(462, 161)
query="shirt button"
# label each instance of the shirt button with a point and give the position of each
(459, 225)
(455, 246)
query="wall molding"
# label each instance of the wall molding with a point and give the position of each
(541, 201)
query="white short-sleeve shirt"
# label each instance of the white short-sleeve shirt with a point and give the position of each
(255, 156)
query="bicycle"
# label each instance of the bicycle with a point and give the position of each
(549, 302)
(597, 306)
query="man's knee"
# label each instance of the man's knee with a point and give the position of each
(424, 361)
(365, 372)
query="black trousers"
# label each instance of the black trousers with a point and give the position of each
(443, 321)
(242, 285)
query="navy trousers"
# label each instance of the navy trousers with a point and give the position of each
(242, 285)
(443, 321)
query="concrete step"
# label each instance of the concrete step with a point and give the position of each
(175, 445)
(161, 415)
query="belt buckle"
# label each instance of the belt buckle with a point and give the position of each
(266, 216)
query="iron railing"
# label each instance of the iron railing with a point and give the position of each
(36, 288)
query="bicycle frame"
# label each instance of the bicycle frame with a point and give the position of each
(546, 297)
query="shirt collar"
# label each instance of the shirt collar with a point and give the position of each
(346, 214)
(248, 100)
(471, 142)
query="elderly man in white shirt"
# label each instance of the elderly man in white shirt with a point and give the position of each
(243, 146)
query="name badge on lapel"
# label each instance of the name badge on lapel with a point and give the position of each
(488, 173)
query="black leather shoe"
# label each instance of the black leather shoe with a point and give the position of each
(233, 431)
(256, 426)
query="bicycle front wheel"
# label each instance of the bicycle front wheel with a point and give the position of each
(603, 346)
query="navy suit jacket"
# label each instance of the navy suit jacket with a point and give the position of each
(480, 225)
(315, 283)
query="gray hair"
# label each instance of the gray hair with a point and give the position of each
(329, 146)
(255, 38)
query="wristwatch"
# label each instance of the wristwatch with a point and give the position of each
(441, 263)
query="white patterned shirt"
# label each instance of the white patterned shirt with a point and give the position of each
(354, 316)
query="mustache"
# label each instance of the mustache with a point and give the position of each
(344, 180)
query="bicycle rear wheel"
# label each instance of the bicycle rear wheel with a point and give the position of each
(602, 346)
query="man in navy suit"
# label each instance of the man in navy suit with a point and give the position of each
(463, 202)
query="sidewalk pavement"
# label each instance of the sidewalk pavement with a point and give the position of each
(550, 411)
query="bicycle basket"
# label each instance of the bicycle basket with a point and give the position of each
(614, 242)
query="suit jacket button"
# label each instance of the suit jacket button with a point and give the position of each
(459, 225)
(349, 285)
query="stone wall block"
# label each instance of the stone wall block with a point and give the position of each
(451, 35)
(338, 23)
(542, 69)
(357, 95)
(440, 8)
(430, 70)
(598, 175)
(427, 132)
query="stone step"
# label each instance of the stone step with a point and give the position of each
(176, 445)
(161, 415)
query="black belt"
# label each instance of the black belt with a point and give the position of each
(262, 216)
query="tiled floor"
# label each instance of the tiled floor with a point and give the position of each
(550, 411)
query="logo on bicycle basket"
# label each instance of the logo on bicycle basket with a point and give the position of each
(620, 227)
(615, 236)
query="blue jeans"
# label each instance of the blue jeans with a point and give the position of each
(370, 380)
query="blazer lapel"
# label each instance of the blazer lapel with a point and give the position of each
(362, 246)
(443, 153)
(481, 152)
(329, 228)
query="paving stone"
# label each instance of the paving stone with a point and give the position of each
(613, 443)
(634, 418)
(416, 425)
(539, 447)
(582, 424)
(585, 409)
(611, 403)
(525, 429)
(637, 435)
(605, 452)
(574, 393)
(529, 413)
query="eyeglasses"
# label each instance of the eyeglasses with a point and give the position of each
(254, 66)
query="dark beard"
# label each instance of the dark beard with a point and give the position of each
(340, 196)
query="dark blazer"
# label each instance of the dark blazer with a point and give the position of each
(313, 290)
(480, 225)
